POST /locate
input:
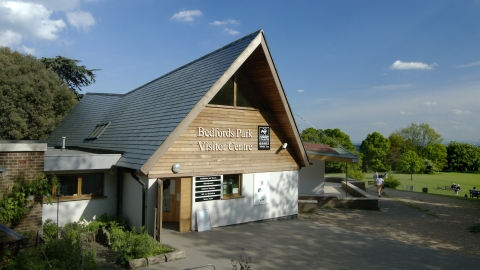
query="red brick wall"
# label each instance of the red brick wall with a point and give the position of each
(28, 165)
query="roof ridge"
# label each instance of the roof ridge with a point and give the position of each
(103, 94)
(198, 59)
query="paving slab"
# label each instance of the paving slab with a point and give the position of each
(302, 244)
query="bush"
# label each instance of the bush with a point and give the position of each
(355, 172)
(391, 182)
(131, 244)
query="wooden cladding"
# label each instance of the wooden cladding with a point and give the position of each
(236, 127)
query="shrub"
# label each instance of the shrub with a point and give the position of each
(131, 244)
(391, 182)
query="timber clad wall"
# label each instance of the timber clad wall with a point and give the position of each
(187, 149)
(28, 165)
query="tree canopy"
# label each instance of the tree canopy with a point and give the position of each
(71, 74)
(374, 150)
(418, 137)
(463, 157)
(410, 162)
(331, 137)
(32, 101)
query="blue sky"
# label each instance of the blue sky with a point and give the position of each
(360, 66)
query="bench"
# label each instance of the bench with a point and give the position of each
(474, 193)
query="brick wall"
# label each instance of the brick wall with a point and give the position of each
(27, 164)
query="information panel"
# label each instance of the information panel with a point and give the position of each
(263, 138)
(208, 188)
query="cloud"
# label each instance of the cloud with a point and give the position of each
(22, 19)
(187, 15)
(300, 91)
(231, 31)
(229, 21)
(430, 103)
(8, 38)
(405, 113)
(412, 65)
(460, 112)
(81, 20)
(392, 86)
(380, 124)
(30, 51)
(469, 65)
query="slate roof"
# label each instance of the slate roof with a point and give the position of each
(327, 153)
(142, 119)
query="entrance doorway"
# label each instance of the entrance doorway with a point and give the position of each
(176, 204)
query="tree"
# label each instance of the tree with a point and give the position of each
(70, 73)
(463, 157)
(410, 162)
(437, 153)
(397, 148)
(331, 137)
(32, 101)
(374, 150)
(419, 137)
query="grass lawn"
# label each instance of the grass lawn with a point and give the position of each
(431, 181)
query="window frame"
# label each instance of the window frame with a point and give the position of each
(233, 195)
(80, 196)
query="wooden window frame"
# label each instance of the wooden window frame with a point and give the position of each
(234, 195)
(79, 195)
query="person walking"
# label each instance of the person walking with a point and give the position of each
(375, 176)
(379, 181)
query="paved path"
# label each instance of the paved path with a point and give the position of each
(302, 244)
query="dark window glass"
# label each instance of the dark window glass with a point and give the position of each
(68, 185)
(231, 184)
(225, 95)
(92, 184)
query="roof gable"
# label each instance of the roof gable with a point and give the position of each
(145, 122)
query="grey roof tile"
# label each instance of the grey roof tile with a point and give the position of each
(142, 119)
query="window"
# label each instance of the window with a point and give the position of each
(80, 186)
(97, 131)
(232, 185)
(238, 92)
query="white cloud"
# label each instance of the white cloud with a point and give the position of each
(430, 103)
(229, 21)
(8, 38)
(411, 65)
(469, 65)
(81, 20)
(405, 113)
(231, 31)
(460, 112)
(28, 50)
(380, 124)
(22, 19)
(187, 15)
(300, 90)
(57, 5)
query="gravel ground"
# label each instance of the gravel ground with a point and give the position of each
(423, 219)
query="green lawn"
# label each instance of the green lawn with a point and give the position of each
(466, 181)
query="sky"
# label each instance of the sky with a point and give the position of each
(360, 66)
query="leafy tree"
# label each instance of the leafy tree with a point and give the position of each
(70, 73)
(410, 162)
(419, 137)
(331, 137)
(32, 101)
(437, 154)
(463, 157)
(397, 148)
(374, 150)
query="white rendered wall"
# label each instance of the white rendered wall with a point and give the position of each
(312, 178)
(283, 201)
(72, 211)
(132, 200)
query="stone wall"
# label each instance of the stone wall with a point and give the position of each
(23, 159)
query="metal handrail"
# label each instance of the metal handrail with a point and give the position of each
(201, 266)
